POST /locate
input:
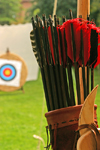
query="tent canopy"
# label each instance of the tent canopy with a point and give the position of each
(17, 39)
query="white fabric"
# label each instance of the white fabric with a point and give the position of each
(17, 39)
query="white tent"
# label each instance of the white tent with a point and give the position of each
(17, 39)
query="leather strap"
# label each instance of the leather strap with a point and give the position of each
(55, 137)
(89, 126)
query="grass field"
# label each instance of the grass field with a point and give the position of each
(22, 116)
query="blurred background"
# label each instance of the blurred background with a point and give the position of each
(21, 11)
(22, 114)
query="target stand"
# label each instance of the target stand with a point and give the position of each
(13, 72)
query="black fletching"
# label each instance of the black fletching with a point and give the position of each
(94, 46)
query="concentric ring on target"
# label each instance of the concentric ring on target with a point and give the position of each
(7, 72)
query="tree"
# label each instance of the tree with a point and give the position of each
(46, 7)
(9, 11)
(95, 11)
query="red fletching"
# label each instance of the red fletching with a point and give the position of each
(86, 43)
(59, 45)
(51, 44)
(78, 24)
(67, 27)
(76, 29)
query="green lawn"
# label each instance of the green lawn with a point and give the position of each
(97, 101)
(22, 116)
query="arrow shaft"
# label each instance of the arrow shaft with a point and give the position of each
(71, 89)
(76, 66)
(83, 67)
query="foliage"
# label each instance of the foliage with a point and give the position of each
(46, 7)
(9, 11)
(63, 6)
(95, 11)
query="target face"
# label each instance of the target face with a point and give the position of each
(10, 72)
(7, 72)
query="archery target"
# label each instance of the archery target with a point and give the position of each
(10, 72)
(7, 72)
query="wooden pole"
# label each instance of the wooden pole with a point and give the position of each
(54, 9)
(83, 8)
(88, 7)
(83, 11)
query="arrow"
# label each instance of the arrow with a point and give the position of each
(54, 47)
(69, 64)
(76, 66)
(93, 54)
(83, 65)
(51, 63)
(44, 70)
(72, 96)
(63, 71)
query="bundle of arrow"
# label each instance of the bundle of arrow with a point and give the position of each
(58, 49)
